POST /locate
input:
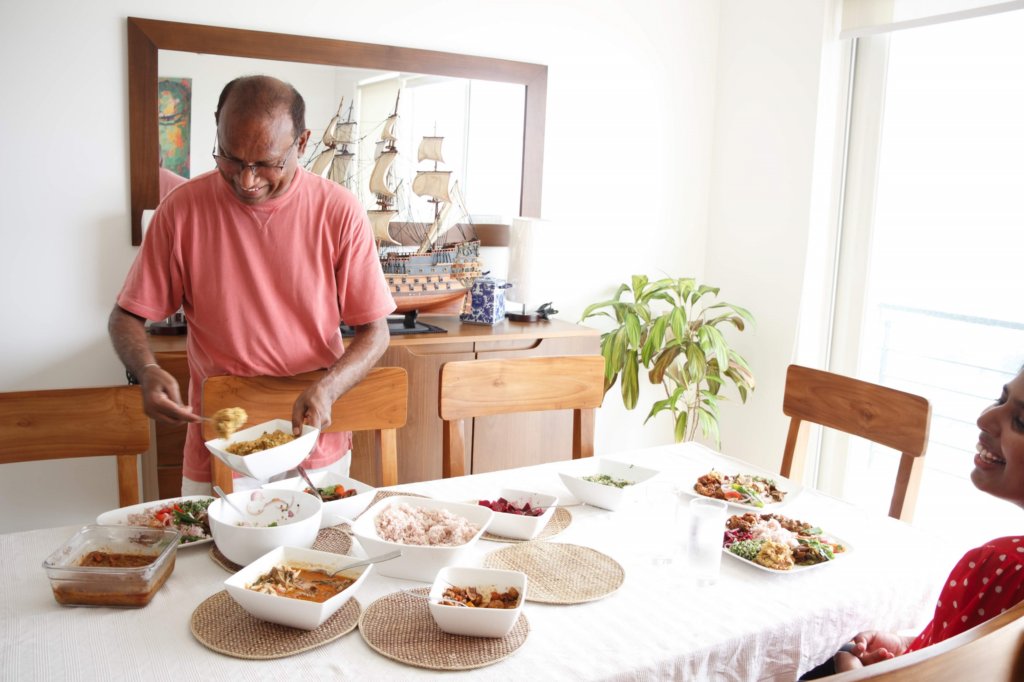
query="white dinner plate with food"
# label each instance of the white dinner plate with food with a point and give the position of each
(746, 490)
(162, 514)
(768, 540)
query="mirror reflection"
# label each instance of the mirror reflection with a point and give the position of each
(481, 123)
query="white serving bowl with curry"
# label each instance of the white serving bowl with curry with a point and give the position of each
(290, 586)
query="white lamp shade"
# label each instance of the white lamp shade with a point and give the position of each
(523, 260)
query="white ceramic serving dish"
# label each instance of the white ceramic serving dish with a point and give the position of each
(296, 515)
(476, 622)
(336, 511)
(785, 485)
(121, 516)
(518, 526)
(263, 464)
(797, 568)
(296, 613)
(607, 496)
(418, 562)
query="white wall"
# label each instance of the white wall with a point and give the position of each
(631, 96)
(763, 201)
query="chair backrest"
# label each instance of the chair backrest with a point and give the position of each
(992, 651)
(378, 403)
(479, 388)
(882, 415)
(77, 422)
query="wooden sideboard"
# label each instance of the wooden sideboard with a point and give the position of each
(493, 443)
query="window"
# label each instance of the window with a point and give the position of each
(929, 299)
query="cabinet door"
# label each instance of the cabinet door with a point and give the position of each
(526, 438)
(419, 441)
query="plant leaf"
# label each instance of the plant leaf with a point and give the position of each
(680, 429)
(633, 330)
(662, 362)
(696, 364)
(630, 380)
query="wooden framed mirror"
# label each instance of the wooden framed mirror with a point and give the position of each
(147, 36)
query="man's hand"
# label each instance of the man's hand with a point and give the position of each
(313, 407)
(161, 398)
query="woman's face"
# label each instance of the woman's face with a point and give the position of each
(999, 462)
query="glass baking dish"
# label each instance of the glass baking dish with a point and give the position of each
(111, 582)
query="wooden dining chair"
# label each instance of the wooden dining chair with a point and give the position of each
(378, 403)
(992, 651)
(479, 388)
(77, 422)
(882, 415)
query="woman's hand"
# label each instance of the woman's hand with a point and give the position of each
(872, 646)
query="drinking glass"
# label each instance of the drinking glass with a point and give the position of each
(706, 530)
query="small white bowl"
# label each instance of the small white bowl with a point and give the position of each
(296, 613)
(297, 517)
(272, 461)
(607, 496)
(336, 511)
(418, 562)
(519, 526)
(476, 622)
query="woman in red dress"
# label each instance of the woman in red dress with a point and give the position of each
(988, 579)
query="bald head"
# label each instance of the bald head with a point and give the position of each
(262, 97)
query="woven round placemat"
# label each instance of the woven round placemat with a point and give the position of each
(400, 627)
(220, 624)
(560, 573)
(336, 539)
(558, 522)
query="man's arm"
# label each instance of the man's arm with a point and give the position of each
(313, 406)
(161, 398)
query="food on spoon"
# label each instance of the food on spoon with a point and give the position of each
(483, 599)
(778, 542)
(756, 491)
(605, 479)
(503, 506)
(300, 582)
(264, 442)
(332, 492)
(229, 420)
(417, 526)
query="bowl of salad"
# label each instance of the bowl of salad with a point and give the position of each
(273, 518)
(188, 515)
(608, 483)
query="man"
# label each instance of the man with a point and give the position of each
(265, 259)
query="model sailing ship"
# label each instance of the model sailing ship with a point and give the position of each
(429, 264)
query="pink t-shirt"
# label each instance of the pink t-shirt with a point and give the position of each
(263, 288)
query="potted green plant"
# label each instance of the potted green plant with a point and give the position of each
(671, 329)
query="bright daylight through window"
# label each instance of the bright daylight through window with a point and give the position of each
(943, 314)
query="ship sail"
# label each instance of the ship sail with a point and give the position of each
(441, 222)
(432, 184)
(379, 176)
(430, 149)
(379, 221)
(340, 165)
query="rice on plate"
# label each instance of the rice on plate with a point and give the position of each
(418, 526)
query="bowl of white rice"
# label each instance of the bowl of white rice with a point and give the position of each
(432, 534)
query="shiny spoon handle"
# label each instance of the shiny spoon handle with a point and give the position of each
(224, 496)
(305, 477)
(372, 560)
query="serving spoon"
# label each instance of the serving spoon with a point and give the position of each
(224, 496)
(305, 477)
(363, 562)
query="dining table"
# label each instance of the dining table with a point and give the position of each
(656, 623)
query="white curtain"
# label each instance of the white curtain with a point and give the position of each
(871, 17)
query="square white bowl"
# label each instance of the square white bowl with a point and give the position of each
(296, 613)
(263, 464)
(297, 518)
(418, 562)
(476, 622)
(607, 496)
(519, 526)
(336, 511)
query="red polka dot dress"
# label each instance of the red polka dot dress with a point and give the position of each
(985, 582)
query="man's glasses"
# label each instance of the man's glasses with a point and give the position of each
(269, 171)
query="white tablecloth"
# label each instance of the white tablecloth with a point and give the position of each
(751, 625)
